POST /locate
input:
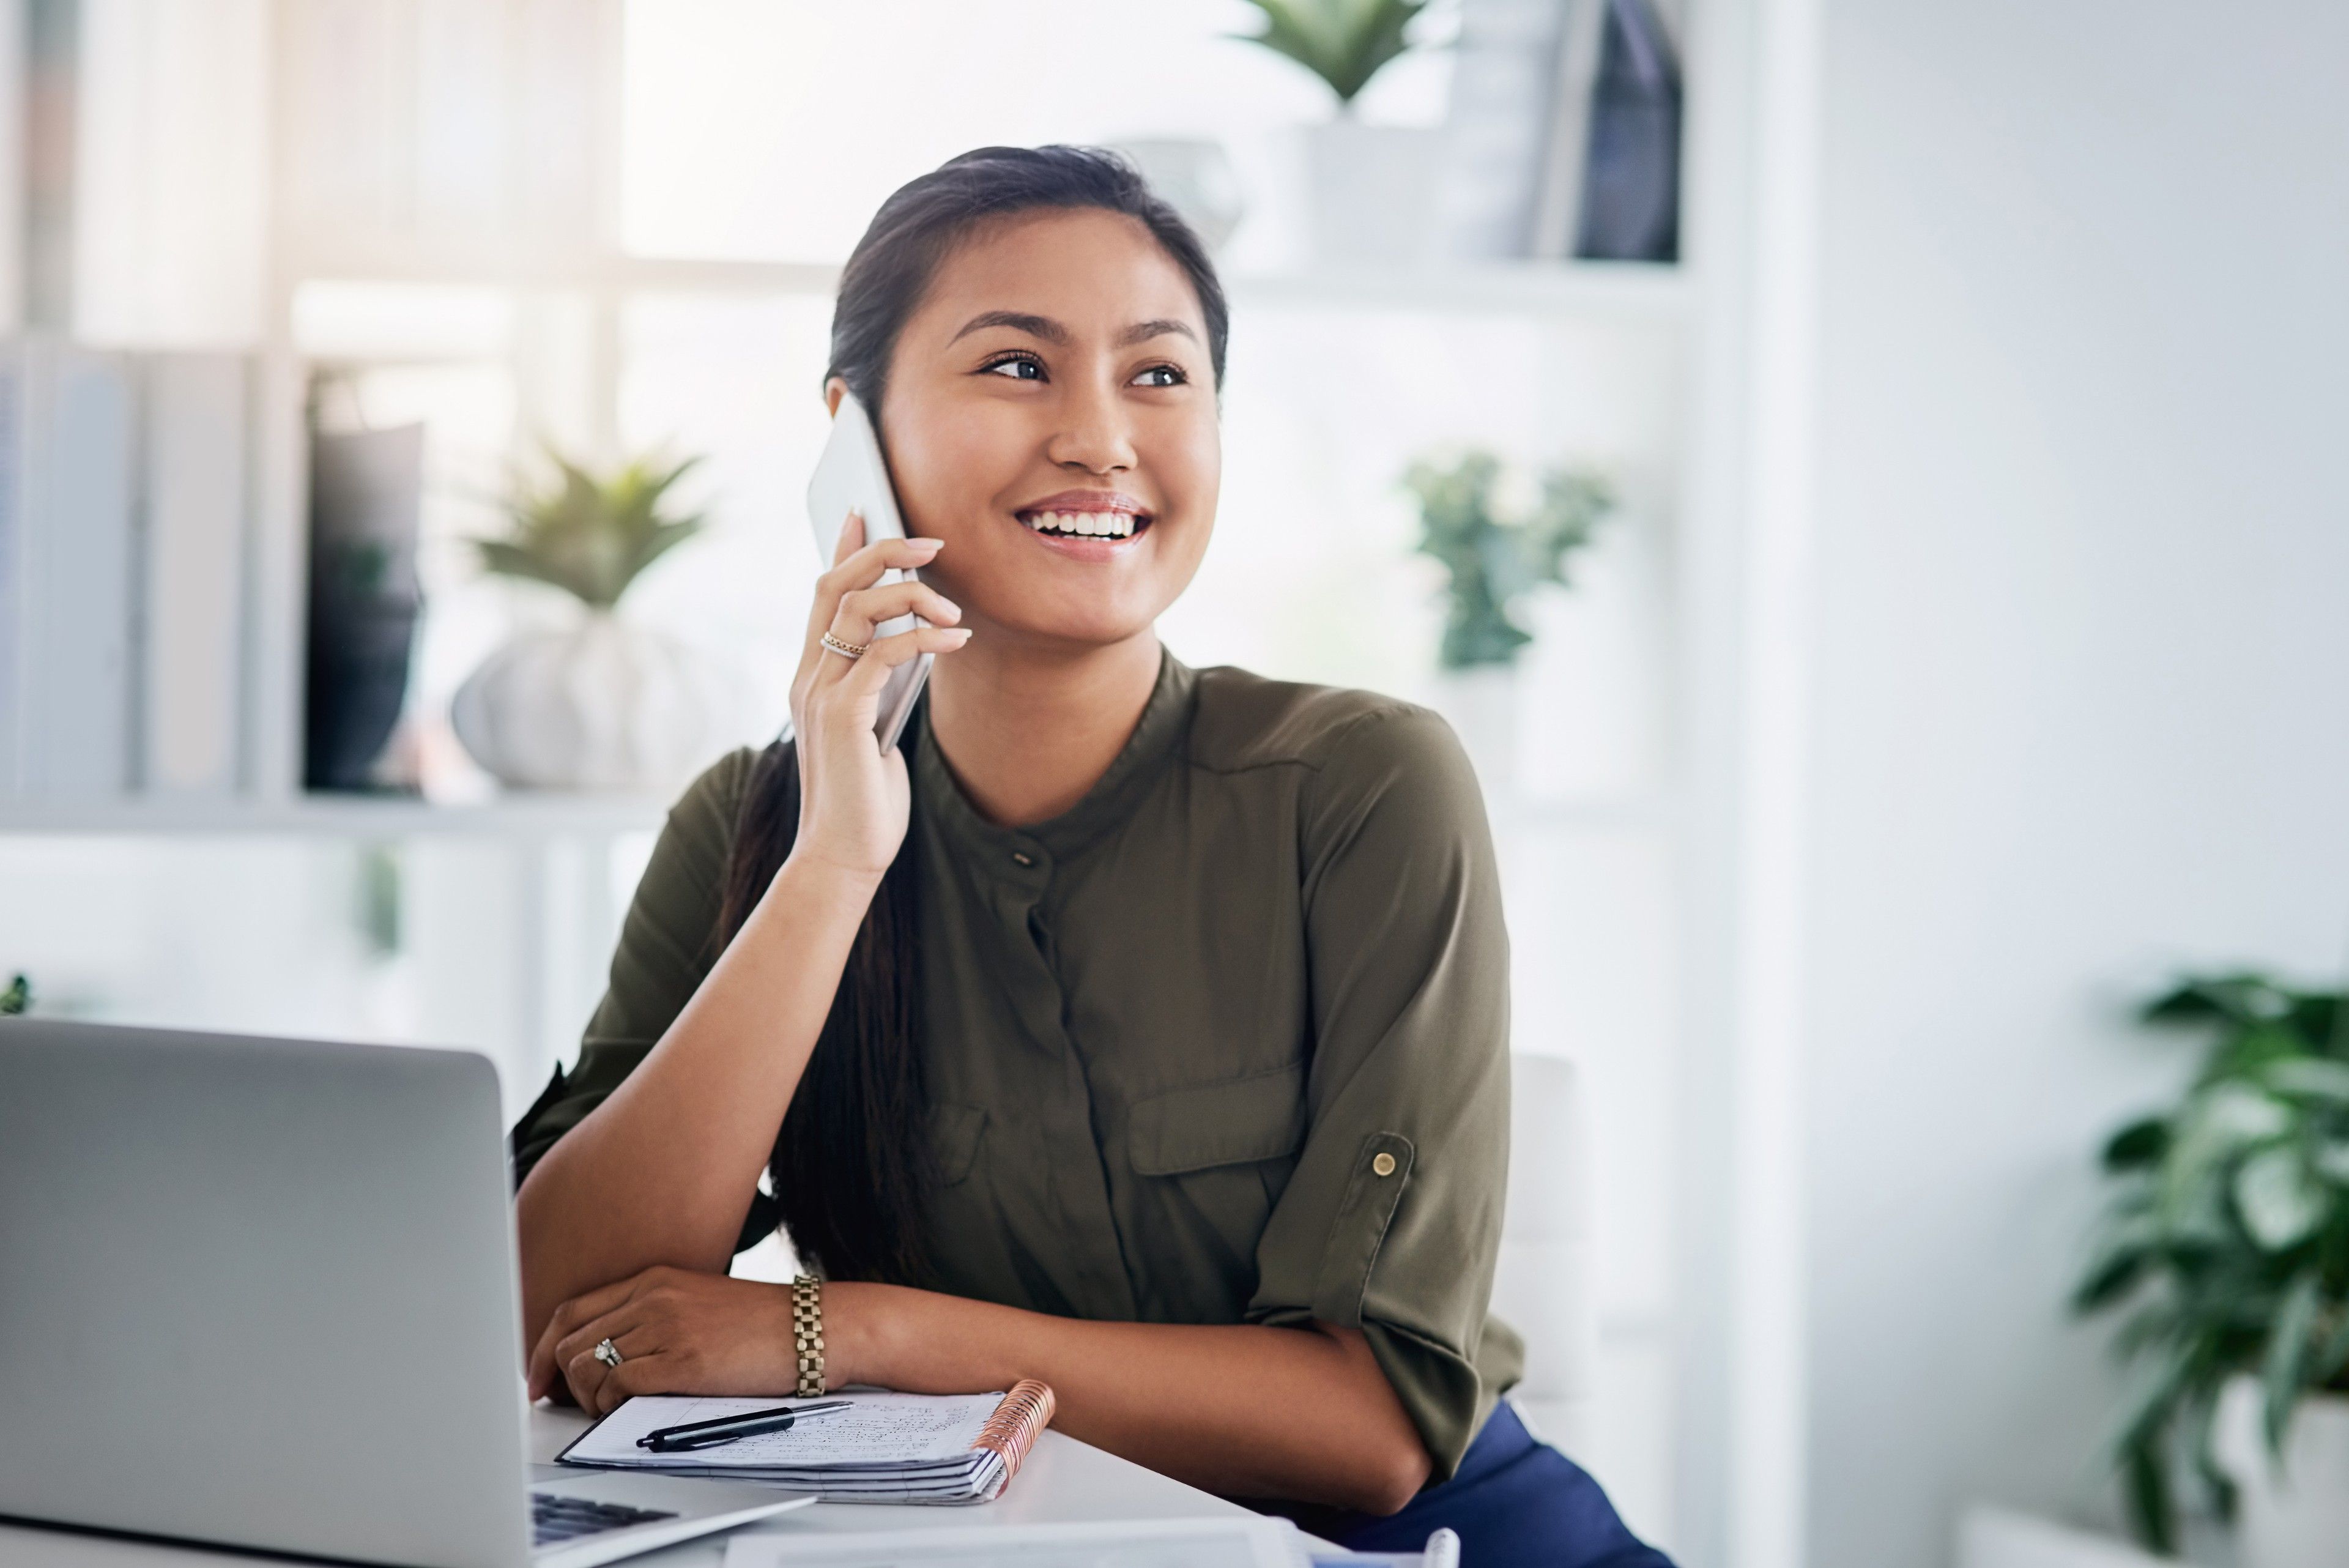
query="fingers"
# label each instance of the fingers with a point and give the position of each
(624, 1383)
(865, 676)
(864, 610)
(546, 1366)
(618, 1326)
(862, 569)
(597, 1388)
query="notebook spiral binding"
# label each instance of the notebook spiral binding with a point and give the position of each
(1012, 1431)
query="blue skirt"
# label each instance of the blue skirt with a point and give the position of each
(1513, 1501)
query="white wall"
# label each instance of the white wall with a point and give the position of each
(2080, 702)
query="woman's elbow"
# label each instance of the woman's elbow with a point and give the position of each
(1389, 1476)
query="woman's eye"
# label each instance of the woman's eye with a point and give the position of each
(1018, 367)
(1160, 376)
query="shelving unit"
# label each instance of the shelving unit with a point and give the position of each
(352, 816)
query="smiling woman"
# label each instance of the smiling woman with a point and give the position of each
(1139, 1029)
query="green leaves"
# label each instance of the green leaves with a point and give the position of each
(2280, 1203)
(590, 537)
(1343, 42)
(2287, 1356)
(1493, 559)
(2226, 1245)
(15, 997)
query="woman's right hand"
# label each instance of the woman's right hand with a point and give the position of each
(853, 795)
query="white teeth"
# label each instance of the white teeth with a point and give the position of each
(1084, 524)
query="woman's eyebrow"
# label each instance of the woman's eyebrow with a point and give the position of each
(1143, 331)
(1043, 327)
(1051, 331)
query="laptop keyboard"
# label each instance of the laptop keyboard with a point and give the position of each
(555, 1520)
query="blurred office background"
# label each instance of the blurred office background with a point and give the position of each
(1963, 646)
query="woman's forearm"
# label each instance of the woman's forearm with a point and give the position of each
(1302, 1414)
(663, 1171)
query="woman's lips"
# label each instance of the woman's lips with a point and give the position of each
(1088, 525)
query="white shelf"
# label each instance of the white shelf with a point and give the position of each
(1636, 290)
(522, 816)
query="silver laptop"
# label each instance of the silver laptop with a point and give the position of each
(261, 1293)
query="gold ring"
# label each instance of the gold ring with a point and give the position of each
(845, 649)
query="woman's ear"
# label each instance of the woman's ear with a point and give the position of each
(834, 390)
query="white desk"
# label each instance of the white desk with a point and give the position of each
(1062, 1481)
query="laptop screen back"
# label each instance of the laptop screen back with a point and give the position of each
(259, 1292)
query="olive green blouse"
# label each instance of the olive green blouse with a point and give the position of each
(1227, 1042)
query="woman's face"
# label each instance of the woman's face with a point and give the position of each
(1050, 414)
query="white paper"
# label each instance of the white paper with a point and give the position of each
(1235, 1543)
(890, 1432)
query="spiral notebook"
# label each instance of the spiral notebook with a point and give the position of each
(886, 1448)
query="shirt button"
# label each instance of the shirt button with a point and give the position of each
(1383, 1164)
(1020, 858)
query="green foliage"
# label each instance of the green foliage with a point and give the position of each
(1492, 560)
(590, 537)
(2225, 1246)
(1343, 42)
(16, 997)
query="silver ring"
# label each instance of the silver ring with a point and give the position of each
(850, 650)
(608, 1353)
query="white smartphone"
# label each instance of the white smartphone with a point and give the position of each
(852, 476)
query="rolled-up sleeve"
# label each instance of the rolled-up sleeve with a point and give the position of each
(1391, 1221)
(667, 943)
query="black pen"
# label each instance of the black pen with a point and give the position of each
(726, 1429)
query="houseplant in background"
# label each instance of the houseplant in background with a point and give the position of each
(2226, 1252)
(15, 997)
(600, 704)
(1371, 188)
(1493, 554)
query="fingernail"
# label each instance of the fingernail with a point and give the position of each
(924, 544)
(962, 632)
(949, 607)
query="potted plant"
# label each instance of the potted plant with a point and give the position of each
(2226, 1253)
(1372, 188)
(1493, 556)
(15, 997)
(600, 704)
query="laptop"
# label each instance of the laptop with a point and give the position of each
(261, 1293)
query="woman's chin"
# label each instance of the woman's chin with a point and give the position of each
(1074, 627)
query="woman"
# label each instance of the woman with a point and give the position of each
(1136, 1028)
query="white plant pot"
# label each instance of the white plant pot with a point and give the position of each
(1196, 176)
(1481, 706)
(601, 706)
(1372, 192)
(2295, 1513)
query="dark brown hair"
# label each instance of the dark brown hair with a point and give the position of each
(853, 1172)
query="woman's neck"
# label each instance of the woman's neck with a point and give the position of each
(1028, 729)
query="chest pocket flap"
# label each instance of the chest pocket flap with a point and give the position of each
(1261, 1116)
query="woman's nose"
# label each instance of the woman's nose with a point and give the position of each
(1095, 434)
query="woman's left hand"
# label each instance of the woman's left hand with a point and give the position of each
(677, 1332)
